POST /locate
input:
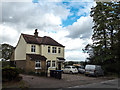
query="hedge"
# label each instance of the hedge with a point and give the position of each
(9, 73)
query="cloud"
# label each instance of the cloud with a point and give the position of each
(8, 35)
(24, 17)
(32, 15)
(81, 29)
(75, 56)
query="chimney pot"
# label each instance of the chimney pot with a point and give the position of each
(36, 33)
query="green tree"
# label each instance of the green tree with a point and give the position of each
(106, 34)
(7, 51)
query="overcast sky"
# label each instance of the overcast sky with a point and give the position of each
(69, 23)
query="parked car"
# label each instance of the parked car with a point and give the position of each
(70, 69)
(94, 70)
(81, 69)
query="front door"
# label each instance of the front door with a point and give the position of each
(59, 66)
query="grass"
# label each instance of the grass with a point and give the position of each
(15, 84)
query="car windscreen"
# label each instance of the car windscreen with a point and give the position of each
(67, 67)
(82, 67)
(90, 67)
(73, 67)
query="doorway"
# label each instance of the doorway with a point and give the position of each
(59, 66)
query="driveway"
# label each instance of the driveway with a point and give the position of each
(67, 80)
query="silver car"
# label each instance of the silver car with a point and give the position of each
(94, 70)
(81, 69)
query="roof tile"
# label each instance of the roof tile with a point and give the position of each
(36, 57)
(31, 39)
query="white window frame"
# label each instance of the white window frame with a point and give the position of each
(54, 50)
(49, 49)
(49, 62)
(37, 62)
(53, 65)
(59, 50)
(33, 48)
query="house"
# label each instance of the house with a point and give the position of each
(0, 52)
(34, 53)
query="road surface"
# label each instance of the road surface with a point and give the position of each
(115, 83)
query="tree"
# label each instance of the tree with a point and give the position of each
(7, 51)
(106, 34)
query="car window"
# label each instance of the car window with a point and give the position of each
(82, 67)
(67, 67)
(90, 66)
(74, 67)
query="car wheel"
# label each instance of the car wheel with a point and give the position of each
(96, 75)
(71, 72)
(86, 74)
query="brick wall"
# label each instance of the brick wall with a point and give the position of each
(30, 65)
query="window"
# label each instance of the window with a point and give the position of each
(53, 63)
(53, 49)
(37, 65)
(59, 50)
(33, 48)
(48, 63)
(48, 49)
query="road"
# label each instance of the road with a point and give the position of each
(67, 81)
(115, 83)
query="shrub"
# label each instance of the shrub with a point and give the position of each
(8, 63)
(5, 63)
(31, 73)
(9, 73)
(42, 74)
(21, 70)
(111, 68)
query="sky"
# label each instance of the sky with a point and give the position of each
(66, 21)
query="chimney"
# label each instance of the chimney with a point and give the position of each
(36, 33)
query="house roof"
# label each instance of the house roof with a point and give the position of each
(36, 57)
(31, 39)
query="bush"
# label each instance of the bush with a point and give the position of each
(31, 73)
(21, 70)
(9, 73)
(8, 63)
(42, 74)
(38, 74)
(111, 68)
(18, 78)
(5, 63)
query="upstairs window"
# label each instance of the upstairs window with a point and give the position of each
(48, 49)
(37, 65)
(33, 48)
(53, 49)
(59, 50)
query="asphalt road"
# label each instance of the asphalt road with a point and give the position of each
(68, 81)
(115, 83)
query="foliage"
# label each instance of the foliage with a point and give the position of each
(106, 36)
(8, 63)
(7, 51)
(5, 63)
(42, 74)
(38, 74)
(9, 73)
(31, 73)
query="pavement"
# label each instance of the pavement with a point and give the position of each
(67, 81)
